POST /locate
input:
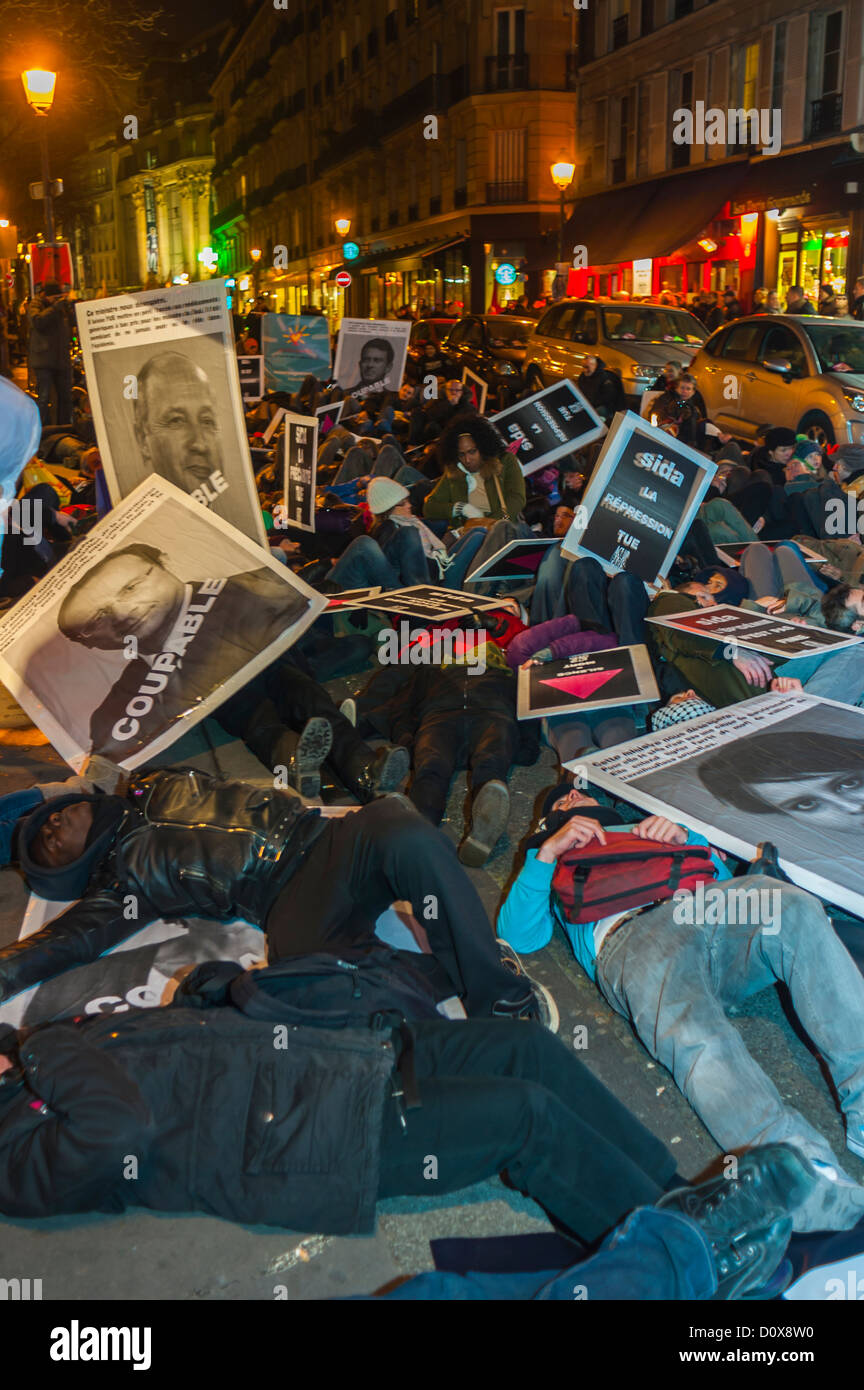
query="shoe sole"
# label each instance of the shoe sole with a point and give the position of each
(394, 772)
(488, 820)
(312, 749)
(348, 710)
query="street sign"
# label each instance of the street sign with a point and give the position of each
(343, 279)
(350, 250)
(55, 188)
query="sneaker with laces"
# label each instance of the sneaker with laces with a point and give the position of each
(747, 1219)
(540, 1005)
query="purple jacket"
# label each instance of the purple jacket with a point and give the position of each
(564, 636)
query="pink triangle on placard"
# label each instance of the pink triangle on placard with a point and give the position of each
(583, 686)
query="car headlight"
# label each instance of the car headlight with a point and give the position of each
(506, 369)
(638, 371)
(855, 398)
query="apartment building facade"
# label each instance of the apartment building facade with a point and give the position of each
(679, 217)
(430, 125)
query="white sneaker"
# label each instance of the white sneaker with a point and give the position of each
(835, 1204)
(349, 709)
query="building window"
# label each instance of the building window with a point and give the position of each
(647, 16)
(620, 25)
(745, 88)
(680, 156)
(826, 99)
(619, 162)
(508, 167)
(316, 94)
(779, 65)
(372, 44)
(682, 8)
(412, 12)
(391, 27)
(328, 83)
(355, 58)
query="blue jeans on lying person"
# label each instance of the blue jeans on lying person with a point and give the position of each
(403, 562)
(652, 1256)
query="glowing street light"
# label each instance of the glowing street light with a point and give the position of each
(39, 89)
(562, 172)
(343, 225)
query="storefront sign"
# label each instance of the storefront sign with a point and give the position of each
(791, 200)
(642, 277)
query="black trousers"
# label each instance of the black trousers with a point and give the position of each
(272, 709)
(484, 743)
(379, 855)
(501, 1095)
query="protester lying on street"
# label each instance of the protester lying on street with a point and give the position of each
(289, 721)
(723, 1239)
(847, 468)
(673, 972)
(454, 713)
(183, 844)
(400, 550)
(338, 1119)
(722, 679)
(34, 539)
(481, 480)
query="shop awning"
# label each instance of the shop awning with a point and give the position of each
(402, 257)
(813, 180)
(654, 219)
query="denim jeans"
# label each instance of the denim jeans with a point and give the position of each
(675, 983)
(548, 599)
(652, 1256)
(837, 675)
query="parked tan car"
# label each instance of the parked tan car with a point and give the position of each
(634, 340)
(802, 371)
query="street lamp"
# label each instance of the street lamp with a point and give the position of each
(255, 253)
(39, 89)
(562, 176)
(343, 225)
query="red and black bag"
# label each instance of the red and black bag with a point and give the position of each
(625, 873)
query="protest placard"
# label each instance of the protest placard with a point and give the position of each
(371, 354)
(786, 769)
(301, 465)
(555, 421)
(329, 416)
(478, 387)
(738, 627)
(165, 392)
(640, 500)
(588, 680)
(294, 346)
(155, 618)
(251, 378)
(518, 559)
(430, 602)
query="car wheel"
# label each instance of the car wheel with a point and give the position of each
(818, 427)
(535, 380)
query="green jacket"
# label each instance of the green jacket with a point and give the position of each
(699, 659)
(802, 601)
(508, 488)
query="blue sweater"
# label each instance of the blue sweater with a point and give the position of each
(529, 913)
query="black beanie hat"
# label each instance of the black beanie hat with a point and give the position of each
(780, 437)
(68, 881)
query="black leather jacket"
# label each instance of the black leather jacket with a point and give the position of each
(188, 846)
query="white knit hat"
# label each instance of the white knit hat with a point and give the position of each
(384, 493)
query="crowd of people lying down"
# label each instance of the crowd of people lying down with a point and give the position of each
(391, 1054)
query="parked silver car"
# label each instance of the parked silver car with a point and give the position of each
(802, 371)
(634, 340)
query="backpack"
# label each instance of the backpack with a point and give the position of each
(353, 989)
(625, 873)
